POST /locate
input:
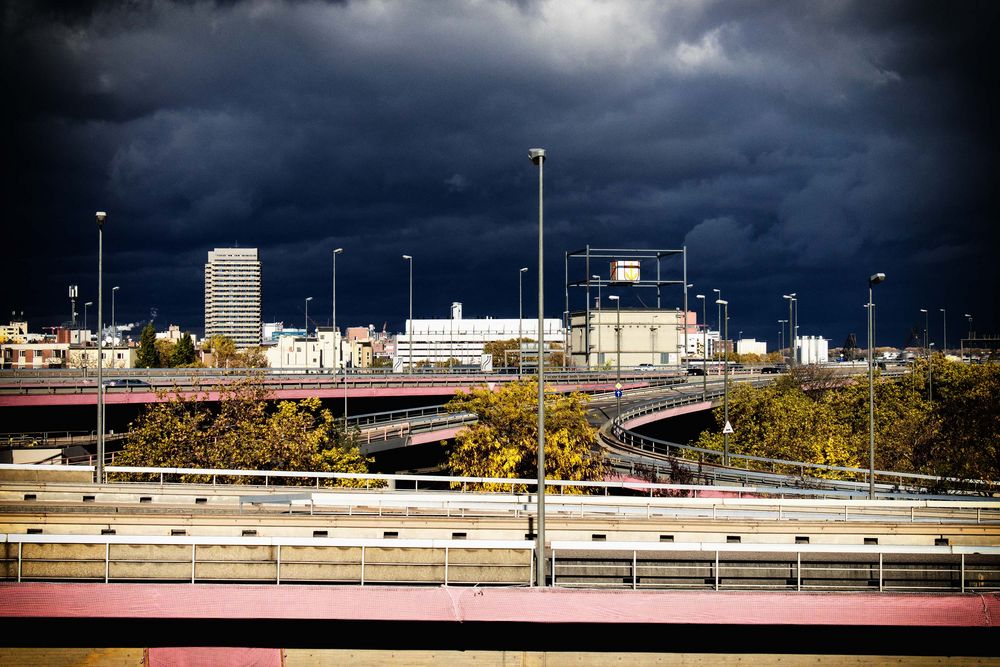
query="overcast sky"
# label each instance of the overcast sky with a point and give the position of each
(789, 146)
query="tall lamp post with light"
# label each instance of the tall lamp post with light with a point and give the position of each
(308, 299)
(961, 353)
(114, 326)
(875, 279)
(600, 323)
(781, 334)
(944, 325)
(333, 334)
(704, 346)
(537, 157)
(520, 318)
(618, 353)
(927, 355)
(791, 330)
(409, 326)
(725, 382)
(99, 468)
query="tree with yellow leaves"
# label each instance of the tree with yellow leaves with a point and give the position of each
(504, 441)
(245, 432)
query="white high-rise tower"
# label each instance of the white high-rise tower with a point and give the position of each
(232, 295)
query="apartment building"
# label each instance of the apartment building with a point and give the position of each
(232, 295)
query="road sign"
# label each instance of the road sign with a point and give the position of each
(728, 428)
(618, 393)
(618, 385)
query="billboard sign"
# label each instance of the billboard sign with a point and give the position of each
(625, 271)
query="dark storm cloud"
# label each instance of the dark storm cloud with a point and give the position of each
(789, 146)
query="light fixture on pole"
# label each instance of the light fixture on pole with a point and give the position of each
(791, 330)
(927, 355)
(725, 400)
(704, 347)
(409, 325)
(333, 316)
(520, 319)
(99, 468)
(537, 157)
(718, 320)
(961, 353)
(337, 347)
(114, 326)
(875, 279)
(944, 324)
(600, 322)
(308, 299)
(781, 334)
(618, 353)
(85, 331)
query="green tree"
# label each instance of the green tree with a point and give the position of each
(164, 352)
(782, 423)
(184, 353)
(244, 432)
(147, 357)
(223, 351)
(503, 442)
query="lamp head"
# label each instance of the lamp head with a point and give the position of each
(89, 303)
(923, 310)
(536, 155)
(114, 288)
(876, 279)
(699, 296)
(942, 310)
(338, 251)
(721, 302)
(523, 269)
(309, 298)
(101, 217)
(407, 257)
(613, 297)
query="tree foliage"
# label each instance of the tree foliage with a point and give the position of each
(184, 353)
(504, 441)
(147, 356)
(814, 416)
(242, 432)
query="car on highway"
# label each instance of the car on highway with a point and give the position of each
(126, 382)
(645, 367)
(770, 369)
(696, 371)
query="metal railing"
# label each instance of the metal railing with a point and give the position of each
(387, 561)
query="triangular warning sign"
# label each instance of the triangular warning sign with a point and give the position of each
(728, 428)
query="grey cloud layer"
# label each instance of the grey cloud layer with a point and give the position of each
(803, 140)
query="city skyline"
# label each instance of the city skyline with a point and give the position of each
(789, 149)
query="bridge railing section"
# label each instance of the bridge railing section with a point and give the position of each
(460, 562)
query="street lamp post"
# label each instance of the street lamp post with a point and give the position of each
(961, 353)
(781, 334)
(718, 318)
(944, 324)
(308, 299)
(333, 334)
(875, 279)
(618, 353)
(85, 331)
(704, 347)
(99, 468)
(537, 156)
(725, 382)
(409, 326)
(520, 318)
(791, 331)
(114, 326)
(600, 322)
(927, 355)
